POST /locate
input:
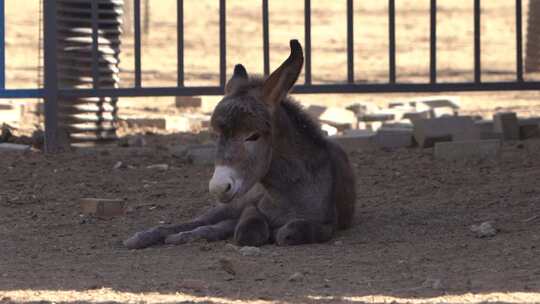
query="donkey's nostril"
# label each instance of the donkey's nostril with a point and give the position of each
(228, 187)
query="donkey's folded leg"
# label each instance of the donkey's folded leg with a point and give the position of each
(301, 231)
(252, 228)
(157, 235)
(216, 232)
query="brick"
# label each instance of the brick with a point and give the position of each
(359, 108)
(485, 129)
(376, 117)
(354, 142)
(429, 131)
(394, 137)
(434, 103)
(101, 207)
(188, 102)
(529, 128)
(330, 130)
(338, 118)
(7, 147)
(463, 150)
(158, 123)
(507, 124)
(414, 116)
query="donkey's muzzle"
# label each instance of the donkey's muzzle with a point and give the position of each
(222, 185)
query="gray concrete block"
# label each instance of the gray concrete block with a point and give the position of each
(394, 137)
(458, 128)
(9, 147)
(376, 117)
(463, 150)
(507, 124)
(529, 128)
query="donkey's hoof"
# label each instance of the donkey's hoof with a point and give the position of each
(143, 239)
(181, 238)
(252, 233)
(294, 233)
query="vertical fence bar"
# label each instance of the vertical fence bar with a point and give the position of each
(350, 41)
(477, 60)
(180, 42)
(307, 37)
(95, 44)
(2, 45)
(266, 38)
(392, 40)
(137, 38)
(519, 41)
(433, 42)
(222, 43)
(50, 76)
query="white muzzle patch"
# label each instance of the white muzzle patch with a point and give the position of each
(224, 182)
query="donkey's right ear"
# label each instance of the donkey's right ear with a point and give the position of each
(239, 77)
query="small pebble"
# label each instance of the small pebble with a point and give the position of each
(296, 277)
(485, 229)
(250, 251)
(161, 167)
(118, 165)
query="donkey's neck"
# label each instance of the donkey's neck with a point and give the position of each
(299, 149)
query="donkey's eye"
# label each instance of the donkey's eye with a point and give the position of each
(253, 137)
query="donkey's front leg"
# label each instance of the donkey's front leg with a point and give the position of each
(217, 232)
(252, 228)
(300, 231)
(157, 235)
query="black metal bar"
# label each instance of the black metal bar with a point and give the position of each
(433, 42)
(95, 44)
(137, 37)
(519, 41)
(22, 93)
(313, 89)
(50, 93)
(350, 41)
(307, 37)
(392, 40)
(180, 42)
(477, 59)
(222, 43)
(266, 38)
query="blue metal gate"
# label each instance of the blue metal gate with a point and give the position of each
(51, 91)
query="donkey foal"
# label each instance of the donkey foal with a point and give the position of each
(276, 177)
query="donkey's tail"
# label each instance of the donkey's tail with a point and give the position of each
(344, 187)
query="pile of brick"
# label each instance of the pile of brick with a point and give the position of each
(425, 123)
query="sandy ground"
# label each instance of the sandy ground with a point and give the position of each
(411, 241)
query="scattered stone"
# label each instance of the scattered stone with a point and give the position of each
(427, 132)
(160, 167)
(188, 102)
(435, 284)
(231, 247)
(157, 123)
(339, 118)
(118, 165)
(6, 133)
(101, 207)
(296, 277)
(484, 230)
(135, 141)
(393, 138)
(250, 251)
(354, 142)
(507, 124)
(463, 150)
(9, 147)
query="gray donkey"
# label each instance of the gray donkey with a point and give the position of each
(276, 177)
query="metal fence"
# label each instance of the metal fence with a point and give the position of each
(51, 92)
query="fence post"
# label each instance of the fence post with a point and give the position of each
(50, 77)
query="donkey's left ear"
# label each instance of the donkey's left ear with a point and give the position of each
(281, 81)
(239, 77)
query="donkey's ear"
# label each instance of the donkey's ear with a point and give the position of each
(280, 82)
(239, 77)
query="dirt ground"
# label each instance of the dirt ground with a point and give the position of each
(411, 242)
